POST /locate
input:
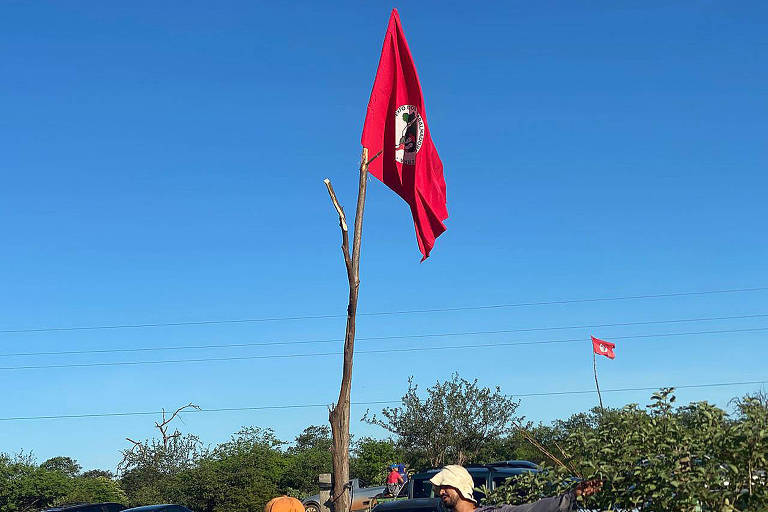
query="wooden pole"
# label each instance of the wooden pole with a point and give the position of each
(339, 414)
(594, 368)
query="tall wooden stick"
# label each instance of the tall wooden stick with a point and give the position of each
(339, 413)
(528, 437)
(594, 367)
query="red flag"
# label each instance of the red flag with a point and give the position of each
(396, 124)
(603, 348)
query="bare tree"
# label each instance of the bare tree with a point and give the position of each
(173, 451)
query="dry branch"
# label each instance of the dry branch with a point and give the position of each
(163, 426)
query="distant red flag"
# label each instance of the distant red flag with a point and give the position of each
(604, 348)
(396, 123)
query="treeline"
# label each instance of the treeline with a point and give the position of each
(659, 457)
(692, 458)
(241, 474)
(27, 486)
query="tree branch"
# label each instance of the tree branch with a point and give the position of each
(344, 228)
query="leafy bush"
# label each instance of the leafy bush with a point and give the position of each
(692, 458)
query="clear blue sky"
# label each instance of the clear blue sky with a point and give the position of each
(163, 162)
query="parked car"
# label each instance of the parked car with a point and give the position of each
(366, 498)
(490, 475)
(159, 508)
(411, 505)
(363, 498)
(88, 507)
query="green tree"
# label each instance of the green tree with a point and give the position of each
(371, 457)
(663, 458)
(149, 468)
(308, 457)
(748, 445)
(238, 476)
(93, 473)
(451, 424)
(515, 446)
(66, 465)
(97, 489)
(25, 486)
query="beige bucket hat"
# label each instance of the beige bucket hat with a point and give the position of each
(457, 477)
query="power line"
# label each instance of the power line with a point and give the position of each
(220, 409)
(376, 402)
(382, 313)
(618, 390)
(378, 351)
(392, 337)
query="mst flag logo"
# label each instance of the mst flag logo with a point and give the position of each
(409, 134)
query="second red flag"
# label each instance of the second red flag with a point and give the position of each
(603, 348)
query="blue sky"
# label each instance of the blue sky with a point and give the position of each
(163, 162)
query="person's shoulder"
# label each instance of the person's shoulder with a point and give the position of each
(489, 508)
(501, 507)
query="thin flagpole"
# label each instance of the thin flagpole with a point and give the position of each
(594, 367)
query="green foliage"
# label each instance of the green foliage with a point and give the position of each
(238, 476)
(93, 473)
(691, 458)
(25, 486)
(97, 489)
(307, 458)
(149, 469)
(66, 465)
(371, 458)
(177, 453)
(451, 425)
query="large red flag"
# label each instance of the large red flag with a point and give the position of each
(396, 124)
(603, 348)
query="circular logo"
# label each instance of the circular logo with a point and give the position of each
(603, 348)
(409, 134)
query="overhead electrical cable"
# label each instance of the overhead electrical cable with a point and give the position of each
(378, 351)
(383, 313)
(375, 402)
(391, 337)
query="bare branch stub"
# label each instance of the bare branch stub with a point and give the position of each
(136, 444)
(344, 228)
(339, 209)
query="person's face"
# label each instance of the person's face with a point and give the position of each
(448, 495)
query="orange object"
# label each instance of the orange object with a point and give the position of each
(283, 504)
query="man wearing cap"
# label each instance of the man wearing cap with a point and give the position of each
(454, 485)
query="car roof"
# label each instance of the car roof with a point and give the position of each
(420, 504)
(148, 508)
(514, 464)
(79, 506)
(509, 467)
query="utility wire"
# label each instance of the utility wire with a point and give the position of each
(220, 409)
(376, 402)
(392, 337)
(378, 351)
(382, 313)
